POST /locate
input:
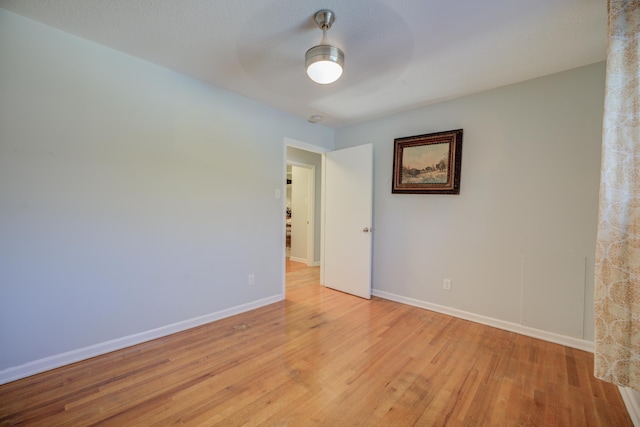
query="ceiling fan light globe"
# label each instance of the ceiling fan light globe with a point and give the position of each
(324, 72)
(324, 63)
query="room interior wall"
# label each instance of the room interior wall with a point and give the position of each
(131, 197)
(307, 157)
(529, 186)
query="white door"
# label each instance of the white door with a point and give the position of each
(348, 220)
(300, 214)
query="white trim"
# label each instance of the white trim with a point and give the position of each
(283, 218)
(62, 359)
(490, 321)
(323, 204)
(296, 259)
(632, 404)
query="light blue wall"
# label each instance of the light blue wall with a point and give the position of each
(529, 185)
(131, 197)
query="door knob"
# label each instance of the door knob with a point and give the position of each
(365, 230)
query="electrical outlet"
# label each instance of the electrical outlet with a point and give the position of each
(252, 279)
(446, 285)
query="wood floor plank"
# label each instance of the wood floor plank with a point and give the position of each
(322, 357)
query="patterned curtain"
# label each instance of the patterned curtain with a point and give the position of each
(617, 277)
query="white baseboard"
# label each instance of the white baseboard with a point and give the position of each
(632, 404)
(490, 321)
(304, 261)
(58, 360)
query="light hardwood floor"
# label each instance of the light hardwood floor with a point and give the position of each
(329, 359)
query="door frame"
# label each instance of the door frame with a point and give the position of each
(290, 142)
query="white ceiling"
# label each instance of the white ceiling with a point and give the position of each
(399, 54)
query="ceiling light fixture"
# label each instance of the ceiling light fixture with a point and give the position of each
(324, 62)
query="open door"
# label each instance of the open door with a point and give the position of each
(348, 220)
(302, 209)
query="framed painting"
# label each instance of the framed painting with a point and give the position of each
(428, 164)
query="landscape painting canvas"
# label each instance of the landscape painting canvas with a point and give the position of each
(428, 164)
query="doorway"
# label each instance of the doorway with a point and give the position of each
(350, 208)
(303, 179)
(300, 212)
